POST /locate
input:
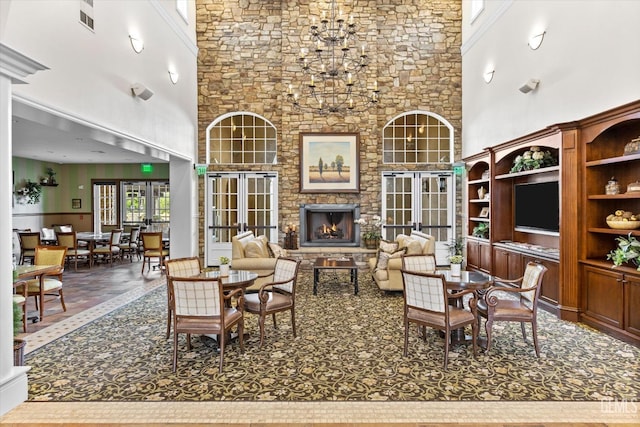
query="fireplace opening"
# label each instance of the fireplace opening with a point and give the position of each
(329, 225)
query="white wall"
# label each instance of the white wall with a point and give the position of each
(589, 62)
(91, 71)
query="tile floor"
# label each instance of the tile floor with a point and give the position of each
(91, 294)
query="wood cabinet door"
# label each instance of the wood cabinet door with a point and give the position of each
(485, 256)
(550, 288)
(507, 264)
(632, 304)
(473, 254)
(603, 292)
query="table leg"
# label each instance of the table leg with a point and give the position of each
(316, 278)
(354, 280)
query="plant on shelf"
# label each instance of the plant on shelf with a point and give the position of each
(481, 230)
(628, 251)
(30, 192)
(50, 177)
(533, 158)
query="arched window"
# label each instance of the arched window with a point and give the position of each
(241, 138)
(417, 137)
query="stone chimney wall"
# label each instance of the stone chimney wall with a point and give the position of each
(248, 51)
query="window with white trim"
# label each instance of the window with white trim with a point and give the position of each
(241, 138)
(417, 137)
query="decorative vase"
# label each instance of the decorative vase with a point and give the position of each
(481, 193)
(455, 269)
(224, 270)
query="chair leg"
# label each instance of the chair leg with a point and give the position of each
(487, 327)
(524, 334)
(474, 332)
(241, 334)
(169, 315)
(221, 344)
(261, 323)
(534, 332)
(275, 325)
(406, 337)
(293, 322)
(175, 350)
(447, 339)
(64, 307)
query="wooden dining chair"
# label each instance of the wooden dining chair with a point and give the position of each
(70, 241)
(498, 304)
(28, 243)
(129, 246)
(20, 296)
(112, 250)
(426, 303)
(179, 267)
(276, 296)
(153, 248)
(51, 284)
(200, 306)
(419, 262)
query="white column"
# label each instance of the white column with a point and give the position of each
(13, 379)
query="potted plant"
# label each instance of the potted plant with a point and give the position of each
(628, 251)
(456, 248)
(533, 158)
(18, 343)
(224, 266)
(50, 177)
(31, 192)
(371, 231)
(481, 230)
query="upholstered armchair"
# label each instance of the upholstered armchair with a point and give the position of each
(255, 254)
(386, 266)
(506, 303)
(179, 267)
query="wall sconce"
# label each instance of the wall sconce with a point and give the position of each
(136, 43)
(536, 40)
(173, 76)
(530, 85)
(488, 76)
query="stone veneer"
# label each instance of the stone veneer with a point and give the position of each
(247, 57)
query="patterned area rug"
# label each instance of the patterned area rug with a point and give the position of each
(347, 348)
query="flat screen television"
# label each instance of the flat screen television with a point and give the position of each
(537, 206)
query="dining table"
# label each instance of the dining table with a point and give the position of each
(24, 272)
(473, 280)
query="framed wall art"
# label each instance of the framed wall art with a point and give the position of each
(329, 163)
(484, 213)
(76, 203)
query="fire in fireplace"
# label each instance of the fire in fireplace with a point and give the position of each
(329, 225)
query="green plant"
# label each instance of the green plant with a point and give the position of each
(372, 229)
(628, 250)
(224, 260)
(17, 319)
(456, 246)
(533, 158)
(455, 259)
(481, 230)
(31, 192)
(50, 173)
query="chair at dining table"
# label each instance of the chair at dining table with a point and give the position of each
(70, 240)
(153, 248)
(179, 267)
(419, 262)
(50, 284)
(29, 240)
(276, 296)
(200, 306)
(20, 296)
(426, 303)
(112, 250)
(497, 306)
(129, 245)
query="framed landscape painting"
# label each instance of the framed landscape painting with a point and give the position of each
(329, 163)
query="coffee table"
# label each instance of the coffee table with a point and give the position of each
(326, 263)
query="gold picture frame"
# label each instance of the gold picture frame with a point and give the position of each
(329, 163)
(484, 213)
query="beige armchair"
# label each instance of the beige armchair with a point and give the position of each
(386, 266)
(255, 254)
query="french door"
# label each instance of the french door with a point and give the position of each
(146, 202)
(423, 201)
(237, 202)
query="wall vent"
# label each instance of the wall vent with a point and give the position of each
(86, 13)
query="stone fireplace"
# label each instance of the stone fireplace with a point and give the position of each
(329, 225)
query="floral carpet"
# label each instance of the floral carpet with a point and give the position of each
(347, 348)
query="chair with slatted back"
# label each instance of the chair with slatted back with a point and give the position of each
(112, 250)
(28, 243)
(70, 240)
(200, 306)
(130, 246)
(419, 262)
(50, 284)
(179, 267)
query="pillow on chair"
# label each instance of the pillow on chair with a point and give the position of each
(384, 257)
(413, 246)
(276, 250)
(388, 247)
(257, 248)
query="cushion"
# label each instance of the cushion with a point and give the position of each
(277, 250)
(384, 257)
(388, 247)
(257, 248)
(412, 246)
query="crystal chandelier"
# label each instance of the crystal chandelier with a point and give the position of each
(331, 68)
